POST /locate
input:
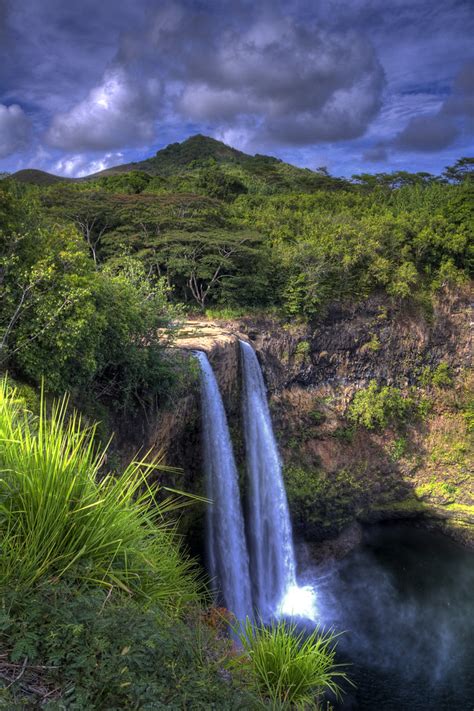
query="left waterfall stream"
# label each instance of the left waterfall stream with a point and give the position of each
(227, 553)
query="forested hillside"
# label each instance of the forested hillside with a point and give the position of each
(93, 269)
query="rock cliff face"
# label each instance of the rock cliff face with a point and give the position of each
(337, 473)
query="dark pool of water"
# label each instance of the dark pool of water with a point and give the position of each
(406, 601)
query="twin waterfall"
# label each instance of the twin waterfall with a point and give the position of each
(262, 581)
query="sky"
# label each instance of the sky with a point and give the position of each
(354, 85)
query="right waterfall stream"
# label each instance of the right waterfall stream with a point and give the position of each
(270, 540)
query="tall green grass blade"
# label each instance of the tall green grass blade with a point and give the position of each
(59, 517)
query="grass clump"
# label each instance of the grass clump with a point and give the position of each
(292, 669)
(59, 513)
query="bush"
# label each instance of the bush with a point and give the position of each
(322, 503)
(398, 449)
(377, 407)
(59, 514)
(83, 648)
(439, 377)
(291, 668)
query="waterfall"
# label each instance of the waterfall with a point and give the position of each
(272, 558)
(227, 549)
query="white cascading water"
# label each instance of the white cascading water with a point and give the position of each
(272, 558)
(227, 549)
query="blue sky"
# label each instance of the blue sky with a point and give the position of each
(359, 85)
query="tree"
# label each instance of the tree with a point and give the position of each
(85, 330)
(200, 262)
(461, 171)
(90, 212)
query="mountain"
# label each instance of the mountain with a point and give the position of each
(179, 156)
(198, 153)
(38, 177)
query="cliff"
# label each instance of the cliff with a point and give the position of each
(337, 472)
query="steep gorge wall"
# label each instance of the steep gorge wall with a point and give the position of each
(338, 474)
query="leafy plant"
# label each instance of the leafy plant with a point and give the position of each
(373, 344)
(61, 514)
(398, 448)
(302, 351)
(292, 669)
(82, 647)
(345, 433)
(439, 376)
(376, 407)
(442, 376)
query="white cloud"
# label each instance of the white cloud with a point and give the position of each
(118, 112)
(77, 166)
(14, 130)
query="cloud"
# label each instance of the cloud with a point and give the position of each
(77, 166)
(376, 154)
(439, 130)
(290, 84)
(461, 101)
(427, 133)
(277, 81)
(115, 113)
(294, 78)
(14, 130)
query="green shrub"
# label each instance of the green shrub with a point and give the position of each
(60, 514)
(322, 503)
(468, 414)
(345, 434)
(317, 416)
(424, 407)
(439, 377)
(84, 648)
(373, 344)
(398, 448)
(291, 669)
(302, 351)
(377, 407)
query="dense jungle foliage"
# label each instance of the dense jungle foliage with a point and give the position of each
(93, 269)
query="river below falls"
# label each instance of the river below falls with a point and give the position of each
(405, 599)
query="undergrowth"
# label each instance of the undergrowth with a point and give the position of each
(82, 648)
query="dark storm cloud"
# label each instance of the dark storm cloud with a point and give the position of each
(14, 130)
(455, 117)
(364, 80)
(296, 85)
(427, 133)
(277, 79)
